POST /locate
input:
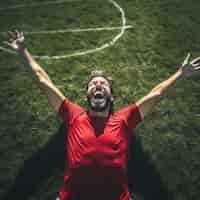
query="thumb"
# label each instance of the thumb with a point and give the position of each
(186, 61)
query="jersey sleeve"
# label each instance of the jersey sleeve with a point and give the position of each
(68, 111)
(131, 116)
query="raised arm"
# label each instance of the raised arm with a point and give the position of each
(187, 69)
(55, 97)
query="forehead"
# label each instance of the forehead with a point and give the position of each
(99, 78)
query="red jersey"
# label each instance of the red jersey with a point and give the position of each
(97, 153)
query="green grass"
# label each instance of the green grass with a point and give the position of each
(163, 33)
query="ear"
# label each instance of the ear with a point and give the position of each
(85, 98)
(112, 99)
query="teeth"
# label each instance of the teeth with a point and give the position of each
(98, 94)
(99, 100)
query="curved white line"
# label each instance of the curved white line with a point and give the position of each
(90, 51)
(77, 30)
(112, 42)
(64, 31)
(37, 4)
(123, 21)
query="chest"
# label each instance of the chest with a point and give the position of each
(97, 141)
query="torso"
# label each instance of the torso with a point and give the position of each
(97, 150)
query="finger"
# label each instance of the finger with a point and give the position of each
(11, 40)
(17, 33)
(196, 60)
(7, 43)
(186, 61)
(21, 34)
(197, 66)
(12, 34)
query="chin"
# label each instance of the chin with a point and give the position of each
(99, 107)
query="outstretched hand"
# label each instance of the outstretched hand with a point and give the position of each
(189, 68)
(16, 40)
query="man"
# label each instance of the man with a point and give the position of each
(98, 139)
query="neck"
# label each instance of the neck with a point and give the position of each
(99, 114)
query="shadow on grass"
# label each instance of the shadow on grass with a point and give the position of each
(39, 167)
(143, 177)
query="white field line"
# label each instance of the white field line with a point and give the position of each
(90, 51)
(79, 30)
(37, 4)
(74, 30)
(104, 46)
(65, 31)
(123, 21)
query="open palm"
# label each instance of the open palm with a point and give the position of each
(16, 40)
(189, 68)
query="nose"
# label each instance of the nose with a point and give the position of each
(98, 85)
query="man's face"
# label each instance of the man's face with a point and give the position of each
(99, 94)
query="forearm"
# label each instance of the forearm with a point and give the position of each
(164, 87)
(41, 78)
(37, 70)
(55, 97)
(154, 96)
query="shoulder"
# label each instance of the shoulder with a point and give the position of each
(128, 110)
(69, 105)
(69, 110)
(130, 115)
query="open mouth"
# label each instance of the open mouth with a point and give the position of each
(98, 95)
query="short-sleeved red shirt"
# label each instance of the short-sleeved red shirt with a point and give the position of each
(97, 153)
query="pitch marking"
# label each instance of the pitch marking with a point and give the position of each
(37, 4)
(73, 30)
(123, 27)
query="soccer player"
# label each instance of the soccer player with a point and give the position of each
(98, 138)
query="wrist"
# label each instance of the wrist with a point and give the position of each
(22, 50)
(180, 74)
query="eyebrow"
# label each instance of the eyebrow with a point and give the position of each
(105, 81)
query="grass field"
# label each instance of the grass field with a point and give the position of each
(159, 36)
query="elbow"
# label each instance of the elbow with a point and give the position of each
(157, 94)
(41, 80)
(40, 77)
(38, 72)
(158, 91)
